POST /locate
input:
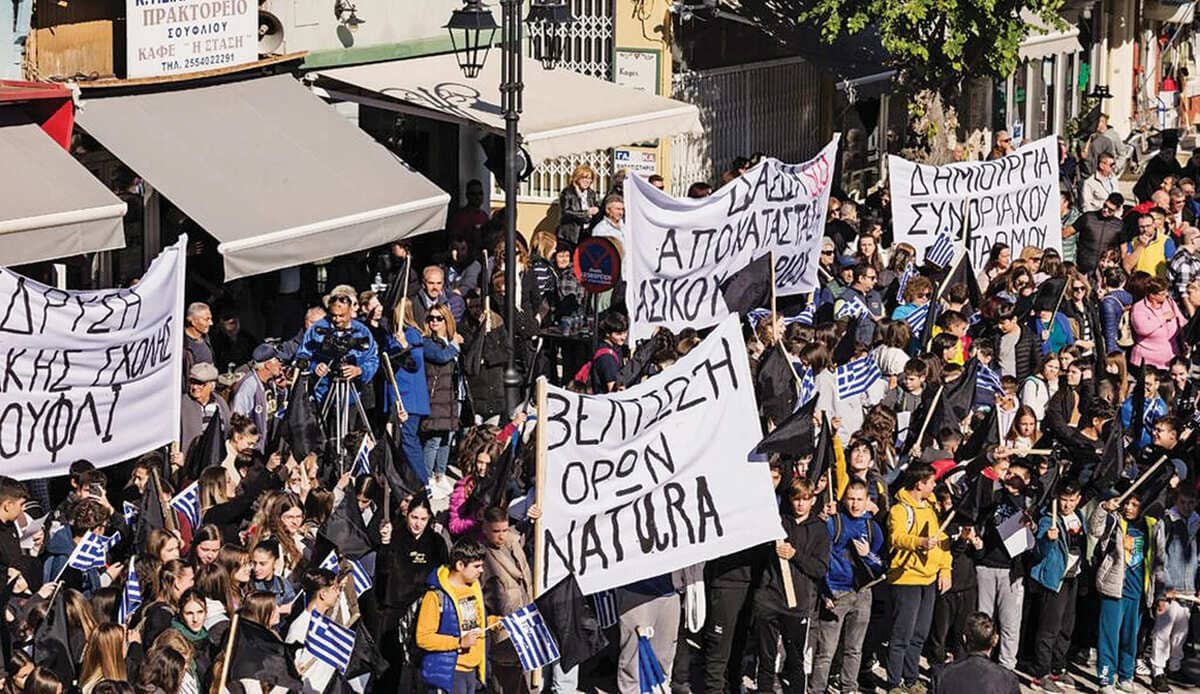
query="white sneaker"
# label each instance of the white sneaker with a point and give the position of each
(1125, 686)
(1142, 669)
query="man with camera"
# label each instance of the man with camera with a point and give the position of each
(338, 346)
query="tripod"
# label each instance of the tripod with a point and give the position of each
(338, 403)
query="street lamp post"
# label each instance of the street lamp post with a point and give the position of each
(472, 31)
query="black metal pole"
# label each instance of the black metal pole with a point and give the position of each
(510, 89)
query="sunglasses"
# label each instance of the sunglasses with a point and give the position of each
(435, 319)
(339, 300)
(1079, 289)
(1021, 285)
(826, 252)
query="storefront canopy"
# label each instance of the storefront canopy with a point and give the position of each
(564, 112)
(53, 207)
(274, 173)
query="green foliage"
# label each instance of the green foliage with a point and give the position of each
(937, 44)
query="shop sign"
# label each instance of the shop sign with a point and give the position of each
(174, 37)
(640, 161)
(637, 68)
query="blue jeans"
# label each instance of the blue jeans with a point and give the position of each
(1116, 648)
(436, 447)
(410, 444)
(464, 683)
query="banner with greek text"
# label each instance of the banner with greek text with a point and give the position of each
(1011, 200)
(678, 251)
(90, 374)
(651, 479)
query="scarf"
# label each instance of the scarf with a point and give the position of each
(193, 637)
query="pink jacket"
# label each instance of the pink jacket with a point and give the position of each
(462, 525)
(1155, 337)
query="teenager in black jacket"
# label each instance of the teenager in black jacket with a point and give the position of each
(805, 550)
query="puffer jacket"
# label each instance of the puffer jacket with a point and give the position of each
(441, 375)
(438, 666)
(909, 522)
(1108, 529)
(1052, 554)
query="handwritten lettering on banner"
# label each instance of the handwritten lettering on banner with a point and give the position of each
(1011, 200)
(678, 251)
(89, 374)
(656, 477)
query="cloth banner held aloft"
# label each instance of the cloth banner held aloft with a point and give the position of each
(657, 477)
(1012, 200)
(678, 251)
(93, 374)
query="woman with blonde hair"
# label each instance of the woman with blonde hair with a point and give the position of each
(578, 205)
(103, 657)
(193, 678)
(406, 349)
(162, 544)
(443, 379)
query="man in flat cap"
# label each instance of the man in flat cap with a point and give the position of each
(200, 404)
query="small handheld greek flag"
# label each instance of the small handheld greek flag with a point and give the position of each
(362, 459)
(808, 315)
(362, 580)
(131, 598)
(909, 273)
(329, 563)
(330, 642)
(916, 319)
(535, 645)
(130, 511)
(90, 552)
(988, 380)
(187, 502)
(852, 307)
(941, 253)
(605, 604)
(857, 377)
(808, 388)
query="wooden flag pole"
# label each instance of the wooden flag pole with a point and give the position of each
(1054, 513)
(928, 417)
(946, 523)
(539, 485)
(404, 289)
(1138, 482)
(168, 512)
(228, 651)
(401, 414)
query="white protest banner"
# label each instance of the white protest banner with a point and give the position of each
(657, 477)
(678, 251)
(90, 374)
(1011, 200)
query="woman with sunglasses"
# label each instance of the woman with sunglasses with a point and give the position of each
(405, 347)
(443, 384)
(1083, 313)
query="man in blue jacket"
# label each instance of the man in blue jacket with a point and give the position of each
(1061, 551)
(855, 541)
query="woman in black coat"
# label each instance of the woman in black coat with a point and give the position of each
(578, 205)
(442, 343)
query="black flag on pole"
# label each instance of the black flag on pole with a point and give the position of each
(750, 287)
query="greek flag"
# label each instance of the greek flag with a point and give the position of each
(187, 502)
(330, 642)
(362, 580)
(852, 307)
(330, 563)
(535, 645)
(651, 679)
(130, 511)
(909, 273)
(857, 377)
(916, 319)
(90, 552)
(131, 598)
(808, 388)
(941, 253)
(756, 315)
(808, 315)
(605, 604)
(362, 459)
(988, 380)
(115, 539)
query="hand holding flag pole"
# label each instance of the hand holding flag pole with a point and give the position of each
(785, 569)
(925, 425)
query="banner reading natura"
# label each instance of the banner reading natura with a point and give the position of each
(678, 251)
(1011, 200)
(89, 374)
(651, 479)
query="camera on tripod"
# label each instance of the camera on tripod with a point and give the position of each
(336, 346)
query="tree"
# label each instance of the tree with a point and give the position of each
(937, 44)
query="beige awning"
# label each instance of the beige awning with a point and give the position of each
(564, 112)
(270, 170)
(53, 207)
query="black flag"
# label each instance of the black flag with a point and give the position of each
(206, 451)
(150, 512)
(956, 403)
(843, 351)
(387, 460)
(301, 428)
(572, 621)
(824, 457)
(491, 490)
(260, 655)
(1137, 420)
(52, 647)
(750, 287)
(794, 435)
(984, 434)
(345, 529)
(1112, 459)
(775, 385)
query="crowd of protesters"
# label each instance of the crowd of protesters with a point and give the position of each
(1015, 493)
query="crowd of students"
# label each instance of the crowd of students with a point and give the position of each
(1014, 492)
